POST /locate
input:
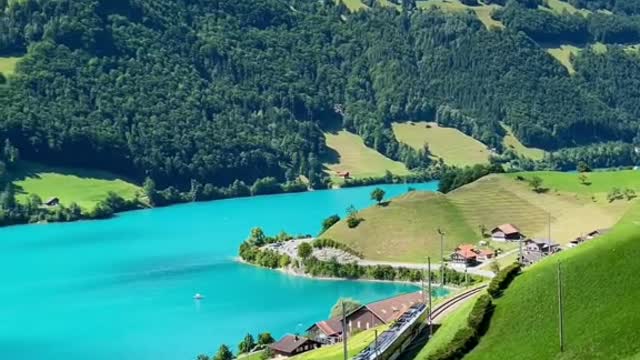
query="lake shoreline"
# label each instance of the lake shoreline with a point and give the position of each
(290, 272)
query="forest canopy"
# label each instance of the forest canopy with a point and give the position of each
(216, 91)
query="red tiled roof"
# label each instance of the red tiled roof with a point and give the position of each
(507, 229)
(391, 309)
(465, 247)
(466, 253)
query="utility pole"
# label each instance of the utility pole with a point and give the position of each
(375, 344)
(560, 310)
(344, 332)
(441, 256)
(429, 282)
(549, 234)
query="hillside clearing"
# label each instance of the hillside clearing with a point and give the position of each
(355, 157)
(353, 5)
(406, 229)
(483, 11)
(510, 141)
(563, 55)
(82, 186)
(8, 65)
(600, 289)
(355, 344)
(453, 146)
(558, 7)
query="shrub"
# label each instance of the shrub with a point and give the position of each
(502, 280)
(305, 250)
(329, 222)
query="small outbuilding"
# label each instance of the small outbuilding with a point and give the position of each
(54, 201)
(291, 345)
(506, 232)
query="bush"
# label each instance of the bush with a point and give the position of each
(467, 337)
(502, 280)
(329, 222)
(305, 250)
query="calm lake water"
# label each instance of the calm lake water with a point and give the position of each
(123, 288)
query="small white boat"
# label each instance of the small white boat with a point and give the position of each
(198, 296)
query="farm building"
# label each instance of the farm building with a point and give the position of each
(364, 318)
(536, 249)
(470, 255)
(291, 345)
(506, 232)
(54, 201)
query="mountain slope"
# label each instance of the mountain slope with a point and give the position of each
(601, 289)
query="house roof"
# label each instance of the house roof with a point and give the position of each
(599, 232)
(330, 327)
(467, 254)
(486, 252)
(391, 309)
(289, 343)
(465, 247)
(543, 243)
(507, 229)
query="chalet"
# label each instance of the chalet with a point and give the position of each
(536, 249)
(364, 318)
(291, 345)
(590, 236)
(54, 201)
(506, 232)
(470, 255)
(465, 254)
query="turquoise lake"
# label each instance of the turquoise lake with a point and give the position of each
(123, 288)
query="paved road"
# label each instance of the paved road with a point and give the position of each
(434, 267)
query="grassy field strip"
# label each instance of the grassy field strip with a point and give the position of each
(84, 187)
(597, 300)
(483, 11)
(353, 5)
(453, 146)
(563, 55)
(511, 141)
(559, 7)
(8, 65)
(356, 344)
(358, 159)
(449, 326)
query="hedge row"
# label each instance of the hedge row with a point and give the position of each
(329, 243)
(467, 338)
(502, 280)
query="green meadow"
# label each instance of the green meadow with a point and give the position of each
(511, 141)
(8, 65)
(600, 291)
(356, 344)
(82, 186)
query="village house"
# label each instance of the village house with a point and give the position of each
(470, 255)
(536, 249)
(364, 318)
(291, 345)
(589, 236)
(506, 232)
(54, 201)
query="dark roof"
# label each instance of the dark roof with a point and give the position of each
(599, 232)
(289, 343)
(330, 327)
(542, 243)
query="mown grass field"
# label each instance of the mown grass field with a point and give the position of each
(82, 186)
(453, 146)
(601, 317)
(558, 7)
(8, 65)
(563, 54)
(353, 5)
(358, 159)
(512, 142)
(482, 11)
(355, 344)
(449, 326)
(600, 182)
(406, 229)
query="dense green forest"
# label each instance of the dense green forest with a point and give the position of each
(210, 92)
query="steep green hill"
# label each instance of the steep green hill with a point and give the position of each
(406, 228)
(601, 318)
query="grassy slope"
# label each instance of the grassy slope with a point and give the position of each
(85, 187)
(8, 64)
(483, 11)
(453, 146)
(358, 159)
(511, 141)
(601, 310)
(563, 54)
(405, 230)
(450, 325)
(559, 7)
(356, 344)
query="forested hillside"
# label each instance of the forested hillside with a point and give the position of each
(214, 91)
